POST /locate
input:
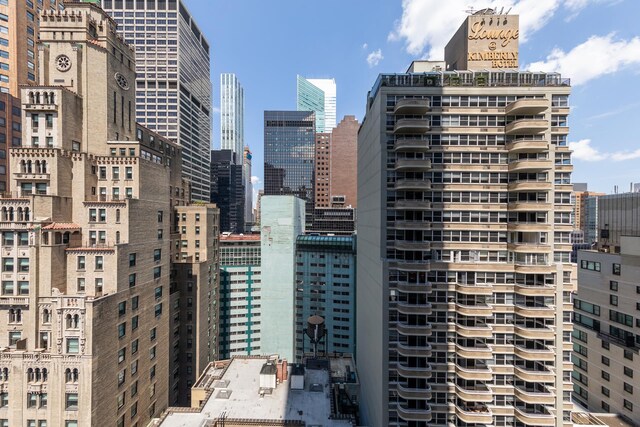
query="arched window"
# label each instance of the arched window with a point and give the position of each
(18, 315)
(45, 375)
(117, 237)
(76, 321)
(46, 316)
(5, 217)
(27, 214)
(4, 374)
(29, 164)
(30, 375)
(37, 98)
(37, 375)
(10, 214)
(43, 166)
(32, 98)
(117, 215)
(23, 166)
(51, 98)
(68, 320)
(19, 214)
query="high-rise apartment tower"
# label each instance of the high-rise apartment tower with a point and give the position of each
(319, 96)
(464, 213)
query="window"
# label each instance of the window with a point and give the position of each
(122, 329)
(613, 300)
(72, 346)
(121, 354)
(99, 283)
(134, 323)
(605, 391)
(158, 309)
(134, 367)
(81, 262)
(152, 353)
(628, 354)
(32, 400)
(605, 361)
(134, 389)
(128, 172)
(605, 406)
(81, 284)
(23, 288)
(134, 346)
(613, 285)
(628, 388)
(159, 216)
(628, 405)
(132, 280)
(628, 371)
(71, 402)
(605, 345)
(132, 260)
(115, 173)
(605, 376)
(616, 269)
(152, 334)
(134, 303)
(152, 372)
(122, 308)
(157, 254)
(590, 265)
(158, 292)
(157, 272)
(7, 264)
(99, 263)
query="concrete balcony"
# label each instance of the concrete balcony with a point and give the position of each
(474, 394)
(411, 145)
(535, 333)
(476, 414)
(411, 265)
(411, 126)
(413, 287)
(525, 247)
(535, 419)
(414, 393)
(413, 184)
(527, 165)
(414, 372)
(406, 308)
(478, 289)
(412, 225)
(408, 414)
(412, 106)
(413, 165)
(529, 206)
(527, 107)
(527, 145)
(420, 330)
(480, 374)
(474, 331)
(530, 186)
(484, 353)
(536, 312)
(13, 300)
(410, 351)
(535, 291)
(535, 397)
(407, 245)
(474, 310)
(534, 354)
(419, 205)
(526, 127)
(528, 226)
(535, 376)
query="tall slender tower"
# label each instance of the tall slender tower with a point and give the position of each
(248, 189)
(231, 115)
(173, 86)
(464, 201)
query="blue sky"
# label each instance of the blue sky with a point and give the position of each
(594, 42)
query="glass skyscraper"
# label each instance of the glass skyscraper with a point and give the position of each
(289, 155)
(311, 98)
(231, 115)
(173, 87)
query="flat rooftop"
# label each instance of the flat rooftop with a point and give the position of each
(234, 394)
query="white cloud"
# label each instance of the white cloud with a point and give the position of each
(427, 25)
(582, 150)
(215, 110)
(365, 46)
(598, 56)
(374, 58)
(255, 180)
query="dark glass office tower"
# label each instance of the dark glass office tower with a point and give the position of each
(289, 155)
(227, 190)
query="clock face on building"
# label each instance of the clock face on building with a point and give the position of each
(63, 63)
(122, 81)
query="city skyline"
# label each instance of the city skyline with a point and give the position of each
(551, 31)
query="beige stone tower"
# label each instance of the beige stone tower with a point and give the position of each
(85, 249)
